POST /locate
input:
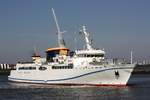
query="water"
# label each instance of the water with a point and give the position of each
(21, 91)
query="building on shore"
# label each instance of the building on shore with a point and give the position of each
(6, 66)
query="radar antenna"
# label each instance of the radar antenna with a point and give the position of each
(87, 38)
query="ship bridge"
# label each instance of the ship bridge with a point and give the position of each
(52, 52)
(90, 53)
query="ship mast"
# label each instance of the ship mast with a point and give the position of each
(87, 38)
(61, 42)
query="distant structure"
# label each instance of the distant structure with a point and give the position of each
(6, 66)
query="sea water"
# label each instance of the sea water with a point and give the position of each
(140, 90)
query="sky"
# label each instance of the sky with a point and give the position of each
(118, 26)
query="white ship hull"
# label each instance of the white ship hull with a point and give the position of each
(76, 76)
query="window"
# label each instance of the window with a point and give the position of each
(27, 68)
(42, 68)
(95, 55)
(70, 66)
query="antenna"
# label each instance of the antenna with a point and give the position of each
(61, 42)
(75, 43)
(35, 51)
(131, 60)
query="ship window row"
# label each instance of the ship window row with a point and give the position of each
(62, 67)
(89, 55)
(27, 68)
(90, 68)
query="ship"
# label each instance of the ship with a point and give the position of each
(61, 66)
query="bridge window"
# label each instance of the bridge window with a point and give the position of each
(92, 55)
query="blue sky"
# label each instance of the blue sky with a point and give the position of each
(118, 26)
